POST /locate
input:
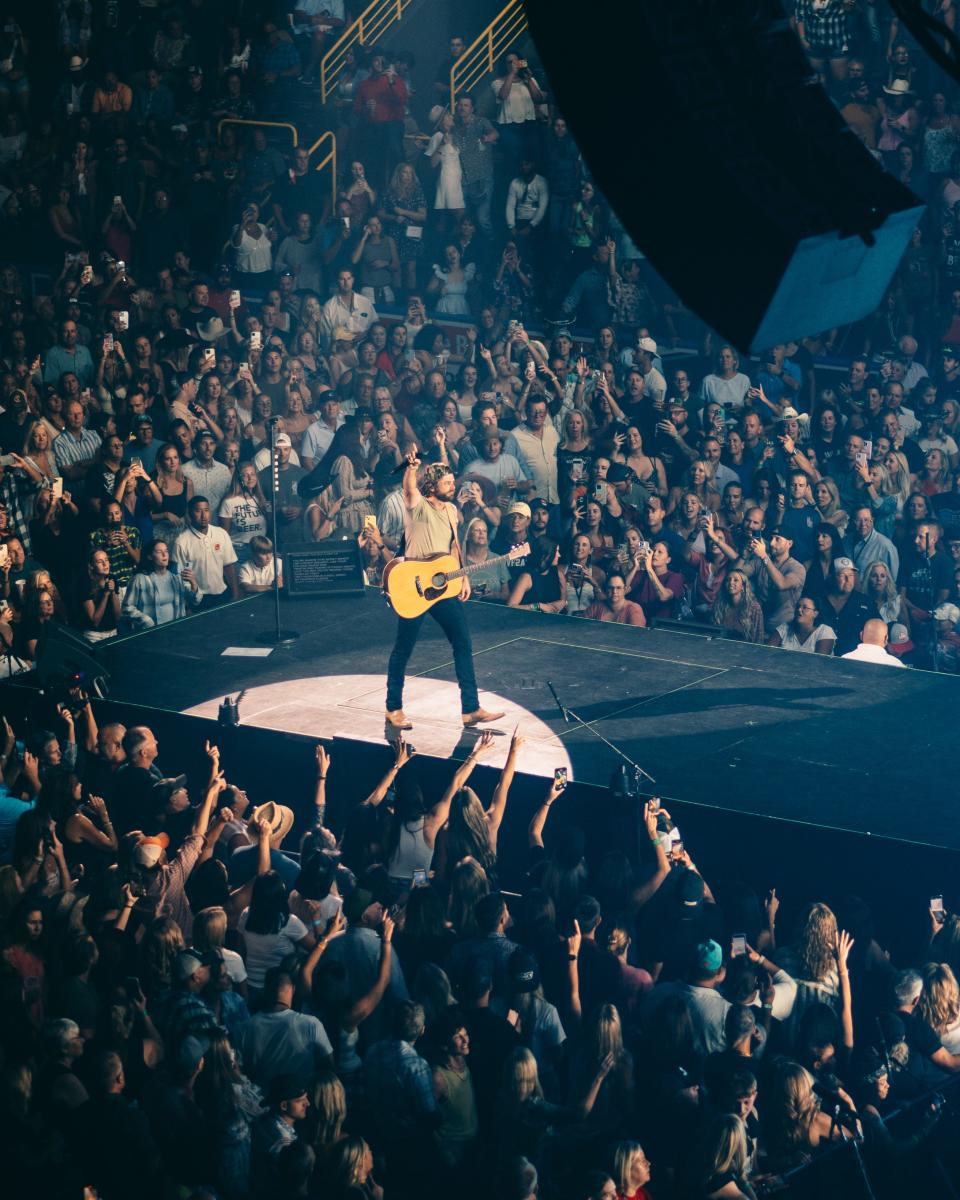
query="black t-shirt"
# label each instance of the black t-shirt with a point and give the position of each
(924, 577)
(849, 622)
(923, 1043)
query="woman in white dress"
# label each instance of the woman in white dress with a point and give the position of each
(444, 154)
(452, 284)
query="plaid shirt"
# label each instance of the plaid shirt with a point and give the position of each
(12, 490)
(824, 24)
(399, 1086)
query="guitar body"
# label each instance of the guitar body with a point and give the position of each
(411, 586)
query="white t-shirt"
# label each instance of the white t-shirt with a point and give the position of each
(247, 518)
(260, 576)
(790, 641)
(725, 391)
(266, 950)
(234, 964)
(518, 106)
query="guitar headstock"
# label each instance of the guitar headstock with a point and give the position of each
(518, 551)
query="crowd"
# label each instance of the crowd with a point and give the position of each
(195, 1002)
(176, 290)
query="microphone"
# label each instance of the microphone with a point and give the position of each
(556, 700)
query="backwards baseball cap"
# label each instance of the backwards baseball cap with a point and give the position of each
(186, 964)
(148, 850)
(843, 564)
(900, 643)
(690, 889)
(286, 1086)
(708, 957)
(523, 972)
(519, 507)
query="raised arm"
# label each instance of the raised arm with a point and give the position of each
(646, 890)
(437, 815)
(411, 493)
(539, 818)
(499, 804)
(403, 755)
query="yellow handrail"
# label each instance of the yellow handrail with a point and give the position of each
(330, 160)
(263, 124)
(480, 57)
(368, 28)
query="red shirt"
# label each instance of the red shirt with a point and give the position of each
(630, 614)
(388, 95)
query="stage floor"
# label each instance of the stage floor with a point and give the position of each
(751, 729)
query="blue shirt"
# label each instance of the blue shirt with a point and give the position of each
(58, 360)
(12, 809)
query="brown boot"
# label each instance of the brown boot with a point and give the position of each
(398, 719)
(480, 717)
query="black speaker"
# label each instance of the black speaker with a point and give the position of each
(330, 568)
(706, 130)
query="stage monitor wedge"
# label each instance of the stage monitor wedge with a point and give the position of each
(706, 130)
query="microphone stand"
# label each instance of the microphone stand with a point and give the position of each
(276, 636)
(568, 713)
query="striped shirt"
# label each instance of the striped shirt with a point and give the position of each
(69, 450)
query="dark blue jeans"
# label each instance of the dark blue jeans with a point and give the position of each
(452, 619)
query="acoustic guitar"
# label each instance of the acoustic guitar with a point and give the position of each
(412, 585)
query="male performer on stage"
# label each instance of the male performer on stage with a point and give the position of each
(430, 527)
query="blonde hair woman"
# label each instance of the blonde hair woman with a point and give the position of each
(880, 587)
(524, 1116)
(737, 609)
(939, 1003)
(631, 1171)
(827, 496)
(898, 470)
(721, 1162)
(793, 1124)
(209, 933)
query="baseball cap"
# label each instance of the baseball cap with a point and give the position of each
(523, 972)
(518, 506)
(900, 643)
(286, 1086)
(537, 502)
(947, 612)
(163, 789)
(186, 964)
(843, 564)
(708, 957)
(690, 890)
(647, 344)
(949, 352)
(283, 439)
(148, 850)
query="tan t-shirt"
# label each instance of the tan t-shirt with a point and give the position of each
(428, 530)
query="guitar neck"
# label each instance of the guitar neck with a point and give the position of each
(459, 574)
